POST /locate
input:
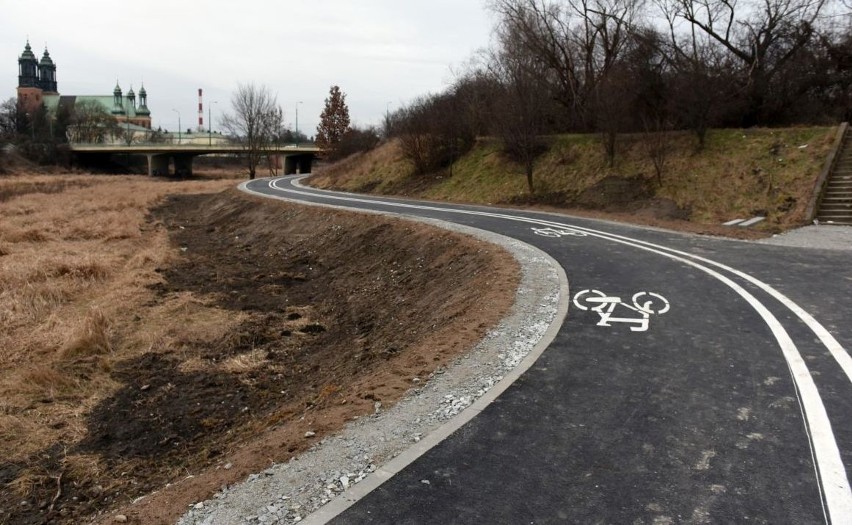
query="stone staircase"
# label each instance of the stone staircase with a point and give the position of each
(835, 206)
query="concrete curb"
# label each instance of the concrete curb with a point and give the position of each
(356, 492)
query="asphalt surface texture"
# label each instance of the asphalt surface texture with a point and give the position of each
(694, 380)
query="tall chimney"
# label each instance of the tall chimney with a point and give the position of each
(200, 112)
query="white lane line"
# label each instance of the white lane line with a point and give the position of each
(843, 358)
(831, 472)
(840, 355)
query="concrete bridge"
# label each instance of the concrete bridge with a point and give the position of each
(290, 158)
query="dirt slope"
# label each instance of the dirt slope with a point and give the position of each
(737, 174)
(303, 318)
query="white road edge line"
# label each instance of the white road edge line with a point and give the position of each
(844, 360)
(831, 473)
(356, 492)
(841, 356)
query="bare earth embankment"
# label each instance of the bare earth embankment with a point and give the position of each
(147, 338)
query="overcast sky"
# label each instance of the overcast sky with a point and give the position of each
(377, 51)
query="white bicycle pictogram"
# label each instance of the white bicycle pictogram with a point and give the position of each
(559, 232)
(645, 304)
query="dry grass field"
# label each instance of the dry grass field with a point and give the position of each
(76, 257)
(153, 329)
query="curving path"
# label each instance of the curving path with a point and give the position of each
(695, 380)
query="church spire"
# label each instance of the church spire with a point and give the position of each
(47, 73)
(143, 102)
(117, 102)
(27, 68)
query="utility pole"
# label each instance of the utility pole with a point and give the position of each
(210, 123)
(179, 125)
(297, 122)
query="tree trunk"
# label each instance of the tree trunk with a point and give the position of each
(529, 170)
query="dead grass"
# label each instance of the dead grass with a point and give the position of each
(245, 362)
(92, 338)
(380, 170)
(109, 331)
(45, 383)
(77, 258)
(739, 173)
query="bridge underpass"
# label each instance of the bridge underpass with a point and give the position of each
(164, 160)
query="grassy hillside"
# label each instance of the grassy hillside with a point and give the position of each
(738, 174)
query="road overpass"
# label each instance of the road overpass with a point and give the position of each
(161, 157)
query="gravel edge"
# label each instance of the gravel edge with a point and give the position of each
(342, 468)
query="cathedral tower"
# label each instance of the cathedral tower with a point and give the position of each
(47, 74)
(29, 91)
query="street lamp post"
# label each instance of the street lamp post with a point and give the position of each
(210, 123)
(179, 125)
(297, 122)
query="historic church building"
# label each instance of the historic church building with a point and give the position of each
(37, 86)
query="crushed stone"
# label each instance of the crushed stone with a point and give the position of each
(289, 492)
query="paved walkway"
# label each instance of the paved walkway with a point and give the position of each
(682, 387)
(826, 237)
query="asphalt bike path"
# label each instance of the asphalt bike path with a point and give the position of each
(694, 380)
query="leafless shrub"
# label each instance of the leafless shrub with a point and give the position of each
(433, 132)
(356, 140)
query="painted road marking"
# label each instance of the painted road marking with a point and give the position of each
(558, 232)
(750, 222)
(837, 351)
(605, 305)
(840, 355)
(831, 473)
(834, 347)
(662, 304)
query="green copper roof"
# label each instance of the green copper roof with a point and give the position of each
(45, 59)
(107, 102)
(28, 52)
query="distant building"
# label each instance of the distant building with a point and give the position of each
(37, 86)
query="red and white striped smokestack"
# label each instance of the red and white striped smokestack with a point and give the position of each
(200, 112)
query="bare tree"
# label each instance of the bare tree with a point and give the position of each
(131, 136)
(415, 128)
(256, 121)
(90, 122)
(434, 131)
(762, 35)
(477, 90)
(578, 43)
(522, 98)
(357, 140)
(9, 116)
(273, 124)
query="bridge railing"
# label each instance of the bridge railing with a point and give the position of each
(198, 149)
